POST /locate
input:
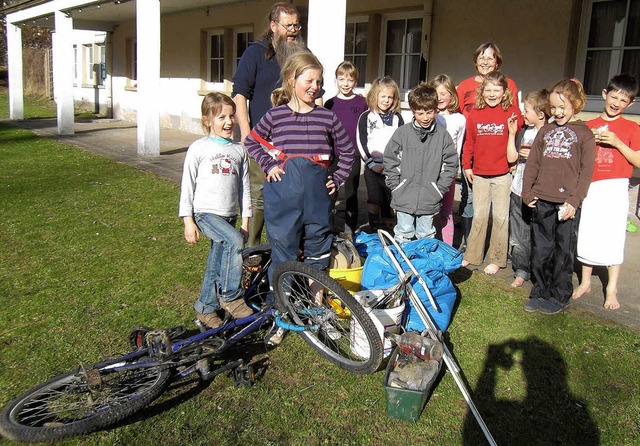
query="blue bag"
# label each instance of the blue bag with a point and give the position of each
(432, 258)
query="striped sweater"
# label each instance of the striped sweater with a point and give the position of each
(318, 132)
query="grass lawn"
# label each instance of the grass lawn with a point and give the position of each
(89, 248)
(34, 108)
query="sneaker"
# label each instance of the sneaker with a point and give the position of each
(533, 305)
(631, 227)
(210, 320)
(236, 308)
(275, 336)
(551, 306)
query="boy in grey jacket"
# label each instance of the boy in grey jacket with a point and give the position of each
(420, 162)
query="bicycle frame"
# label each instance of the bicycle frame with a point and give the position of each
(164, 352)
(247, 326)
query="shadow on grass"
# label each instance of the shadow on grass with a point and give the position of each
(548, 414)
(16, 138)
(460, 275)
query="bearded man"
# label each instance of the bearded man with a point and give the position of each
(257, 75)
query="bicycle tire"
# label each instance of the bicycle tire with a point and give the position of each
(255, 262)
(66, 405)
(332, 338)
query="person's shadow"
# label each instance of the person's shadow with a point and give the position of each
(548, 414)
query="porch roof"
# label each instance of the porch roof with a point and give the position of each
(99, 14)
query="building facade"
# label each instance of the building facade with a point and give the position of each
(151, 61)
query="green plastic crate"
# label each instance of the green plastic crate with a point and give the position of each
(404, 404)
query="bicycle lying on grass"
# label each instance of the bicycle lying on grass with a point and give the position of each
(95, 396)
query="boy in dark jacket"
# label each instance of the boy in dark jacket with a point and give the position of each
(420, 162)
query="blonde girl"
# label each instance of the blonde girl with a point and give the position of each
(302, 139)
(450, 117)
(488, 149)
(375, 128)
(556, 180)
(215, 179)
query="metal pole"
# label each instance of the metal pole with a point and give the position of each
(449, 360)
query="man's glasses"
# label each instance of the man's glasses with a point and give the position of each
(291, 26)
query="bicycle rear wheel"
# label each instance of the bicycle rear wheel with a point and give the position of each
(82, 401)
(310, 298)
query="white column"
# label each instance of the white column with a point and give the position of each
(63, 72)
(327, 19)
(14, 47)
(148, 41)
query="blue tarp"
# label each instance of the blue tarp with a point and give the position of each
(432, 258)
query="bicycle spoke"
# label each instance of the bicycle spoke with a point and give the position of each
(73, 400)
(312, 304)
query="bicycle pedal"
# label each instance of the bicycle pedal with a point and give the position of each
(243, 375)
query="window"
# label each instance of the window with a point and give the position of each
(87, 66)
(609, 43)
(244, 36)
(355, 45)
(101, 56)
(402, 49)
(215, 51)
(132, 62)
(76, 73)
(224, 48)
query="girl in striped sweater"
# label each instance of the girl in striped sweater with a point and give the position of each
(301, 139)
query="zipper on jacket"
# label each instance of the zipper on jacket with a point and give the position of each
(437, 190)
(399, 185)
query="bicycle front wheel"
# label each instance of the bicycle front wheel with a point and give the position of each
(310, 298)
(82, 401)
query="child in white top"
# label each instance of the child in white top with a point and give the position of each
(450, 117)
(214, 179)
(375, 128)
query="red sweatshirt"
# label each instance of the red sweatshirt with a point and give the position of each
(467, 93)
(486, 138)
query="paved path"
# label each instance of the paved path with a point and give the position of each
(117, 140)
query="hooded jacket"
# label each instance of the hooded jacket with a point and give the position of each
(419, 166)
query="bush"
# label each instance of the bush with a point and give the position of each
(36, 63)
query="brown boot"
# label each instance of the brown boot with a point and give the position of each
(211, 320)
(237, 308)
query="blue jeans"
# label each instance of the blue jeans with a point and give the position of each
(224, 264)
(420, 226)
(465, 208)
